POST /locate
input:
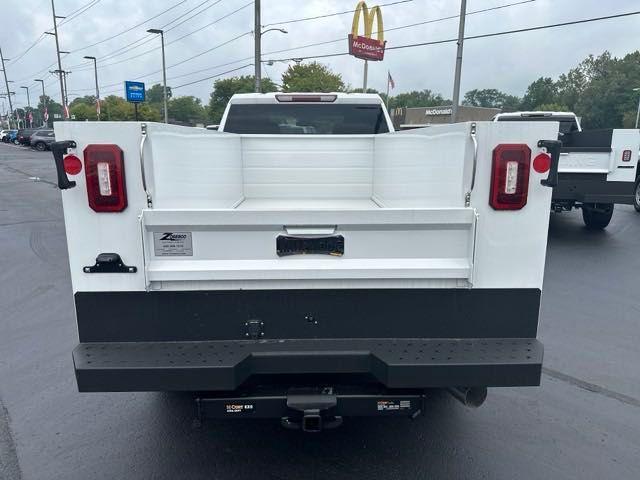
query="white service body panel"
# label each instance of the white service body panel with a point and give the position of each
(398, 199)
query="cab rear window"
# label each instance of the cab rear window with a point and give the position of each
(306, 119)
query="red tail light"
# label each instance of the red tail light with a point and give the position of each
(104, 170)
(510, 177)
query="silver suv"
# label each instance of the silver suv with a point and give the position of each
(42, 139)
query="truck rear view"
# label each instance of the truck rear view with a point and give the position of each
(307, 276)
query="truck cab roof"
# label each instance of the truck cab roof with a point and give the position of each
(306, 113)
(569, 121)
(306, 97)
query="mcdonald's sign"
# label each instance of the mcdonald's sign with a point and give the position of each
(363, 46)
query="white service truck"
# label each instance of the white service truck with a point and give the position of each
(305, 262)
(598, 168)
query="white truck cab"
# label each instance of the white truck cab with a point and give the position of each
(306, 113)
(306, 262)
(598, 168)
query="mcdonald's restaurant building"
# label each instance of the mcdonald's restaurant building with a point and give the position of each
(424, 116)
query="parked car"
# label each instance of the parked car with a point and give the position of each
(11, 137)
(3, 134)
(42, 139)
(24, 135)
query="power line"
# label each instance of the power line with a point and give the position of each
(18, 57)
(189, 18)
(401, 27)
(474, 37)
(212, 76)
(150, 38)
(130, 28)
(79, 12)
(115, 54)
(296, 20)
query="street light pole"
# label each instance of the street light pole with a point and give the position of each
(258, 33)
(164, 72)
(44, 102)
(6, 83)
(95, 69)
(60, 71)
(637, 114)
(458, 74)
(29, 106)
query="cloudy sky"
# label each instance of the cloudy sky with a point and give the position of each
(215, 37)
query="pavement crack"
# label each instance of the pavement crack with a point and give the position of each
(9, 465)
(591, 387)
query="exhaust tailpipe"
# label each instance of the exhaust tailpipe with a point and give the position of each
(469, 396)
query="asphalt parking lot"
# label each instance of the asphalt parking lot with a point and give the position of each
(583, 422)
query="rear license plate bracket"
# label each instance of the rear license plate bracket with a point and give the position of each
(287, 245)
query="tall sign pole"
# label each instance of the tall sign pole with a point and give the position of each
(458, 74)
(257, 38)
(6, 83)
(60, 71)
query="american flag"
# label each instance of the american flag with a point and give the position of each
(392, 84)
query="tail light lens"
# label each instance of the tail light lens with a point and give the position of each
(104, 171)
(626, 156)
(510, 177)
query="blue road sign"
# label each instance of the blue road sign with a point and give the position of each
(134, 91)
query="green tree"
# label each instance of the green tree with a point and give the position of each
(417, 98)
(155, 94)
(224, 89)
(608, 100)
(540, 92)
(188, 110)
(118, 109)
(82, 111)
(311, 77)
(491, 98)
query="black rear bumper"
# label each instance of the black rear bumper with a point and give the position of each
(592, 188)
(227, 365)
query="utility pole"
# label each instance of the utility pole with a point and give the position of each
(44, 102)
(458, 74)
(6, 83)
(164, 72)
(60, 71)
(257, 37)
(95, 69)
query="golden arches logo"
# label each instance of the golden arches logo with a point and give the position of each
(369, 16)
(363, 46)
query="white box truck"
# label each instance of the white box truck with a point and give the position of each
(305, 262)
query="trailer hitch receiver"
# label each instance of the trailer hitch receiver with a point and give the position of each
(315, 407)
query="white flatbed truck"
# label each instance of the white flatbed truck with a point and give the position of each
(305, 262)
(598, 168)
